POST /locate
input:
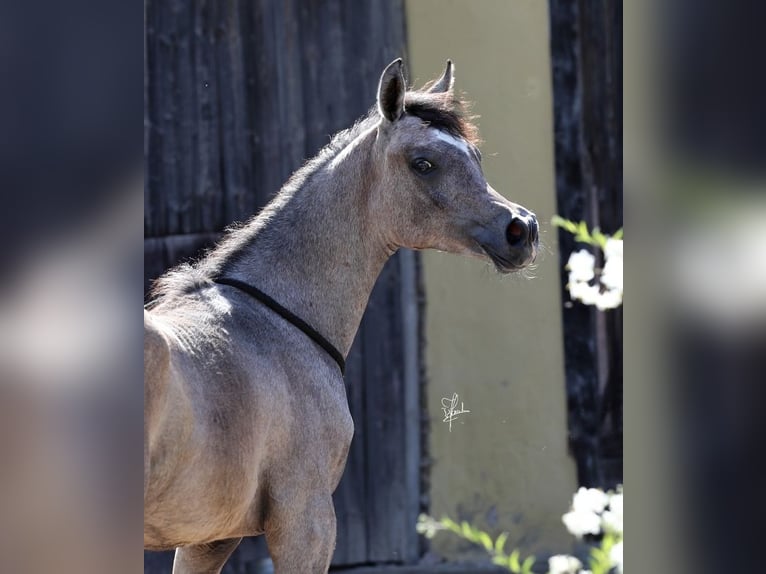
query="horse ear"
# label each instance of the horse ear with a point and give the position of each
(391, 91)
(446, 82)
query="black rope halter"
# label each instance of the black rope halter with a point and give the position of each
(289, 316)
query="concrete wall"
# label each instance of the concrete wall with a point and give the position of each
(497, 341)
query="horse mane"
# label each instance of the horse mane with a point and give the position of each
(442, 110)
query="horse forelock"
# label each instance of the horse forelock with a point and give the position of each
(443, 111)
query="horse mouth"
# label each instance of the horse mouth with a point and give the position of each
(503, 264)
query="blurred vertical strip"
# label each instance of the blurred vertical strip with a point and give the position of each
(71, 76)
(696, 174)
(713, 141)
(71, 95)
(586, 59)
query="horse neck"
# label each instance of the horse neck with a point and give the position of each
(317, 251)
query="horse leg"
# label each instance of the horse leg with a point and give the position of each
(302, 539)
(204, 558)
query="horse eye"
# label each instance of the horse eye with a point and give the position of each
(422, 166)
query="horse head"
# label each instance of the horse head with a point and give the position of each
(431, 180)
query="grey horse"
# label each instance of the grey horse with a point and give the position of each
(247, 426)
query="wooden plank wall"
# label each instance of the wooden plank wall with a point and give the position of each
(586, 57)
(239, 94)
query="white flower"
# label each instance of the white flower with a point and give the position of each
(582, 270)
(589, 500)
(582, 291)
(427, 526)
(615, 502)
(609, 299)
(615, 555)
(612, 521)
(611, 274)
(612, 518)
(580, 265)
(563, 564)
(580, 523)
(613, 248)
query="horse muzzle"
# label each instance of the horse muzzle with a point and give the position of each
(516, 248)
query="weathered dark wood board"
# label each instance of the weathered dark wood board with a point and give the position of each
(586, 59)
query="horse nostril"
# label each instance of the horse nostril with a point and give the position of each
(517, 232)
(533, 231)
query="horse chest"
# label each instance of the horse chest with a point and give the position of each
(323, 417)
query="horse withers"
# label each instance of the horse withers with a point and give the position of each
(247, 426)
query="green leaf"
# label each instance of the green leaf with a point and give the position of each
(500, 561)
(500, 542)
(599, 238)
(526, 568)
(486, 541)
(598, 554)
(559, 221)
(451, 525)
(618, 234)
(466, 529)
(513, 561)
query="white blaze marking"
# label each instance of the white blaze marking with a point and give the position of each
(452, 140)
